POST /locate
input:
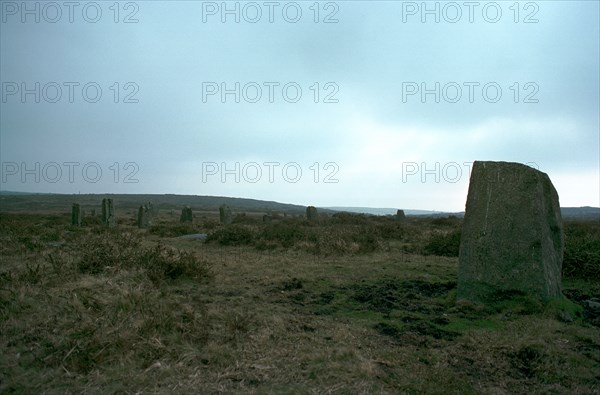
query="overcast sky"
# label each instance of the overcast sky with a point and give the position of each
(345, 103)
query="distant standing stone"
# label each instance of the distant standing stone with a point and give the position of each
(312, 214)
(76, 214)
(186, 215)
(512, 236)
(145, 215)
(225, 214)
(400, 215)
(153, 211)
(108, 213)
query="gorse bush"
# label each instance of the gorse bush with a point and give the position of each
(390, 230)
(443, 243)
(106, 249)
(451, 221)
(117, 251)
(162, 263)
(91, 221)
(344, 218)
(243, 218)
(299, 234)
(233, 235)
(582, 250)
(173, 229)
(283, 233)
(29, 233)
(367, 242)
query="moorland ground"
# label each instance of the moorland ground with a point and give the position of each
(352, 304)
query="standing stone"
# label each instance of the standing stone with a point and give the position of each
(140, 219)
(512, 237)
(108, 213)
(312, 214)
(93, 212)
(152, 210)
(400, 216)
(186, 215)
(225, 214)
(145, 215)
(76, 214)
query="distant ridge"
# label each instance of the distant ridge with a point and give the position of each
(14, 200)
(44, 201)
(392, 211)
(585, 212)
(15, 193)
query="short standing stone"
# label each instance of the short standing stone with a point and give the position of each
(312, 214)
(108, 213)
(145, 215)
(76, 214)
(400, 215)
(512, 237)
(152, 210)
(225, 214)
(186, 215)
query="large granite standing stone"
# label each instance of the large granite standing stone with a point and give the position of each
(186, 215)
(225, 214)
(76, 214)
(512, 238)
(108, 212)
(312, 214)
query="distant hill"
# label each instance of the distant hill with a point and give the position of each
(392, 211)
(15, 193)
(11, 201)
(23, 201)
(586, 212)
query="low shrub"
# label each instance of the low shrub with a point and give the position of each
(108, 248)
(582, 250)
(243, 218)
(285, 234)
(367, 242)
(116, 250)
(450, 221)
(233, 235)
(443, 243)
(390, 230)
(173, 229)
(162, 263)
(344, 218)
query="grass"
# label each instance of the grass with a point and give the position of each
(127, 310)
